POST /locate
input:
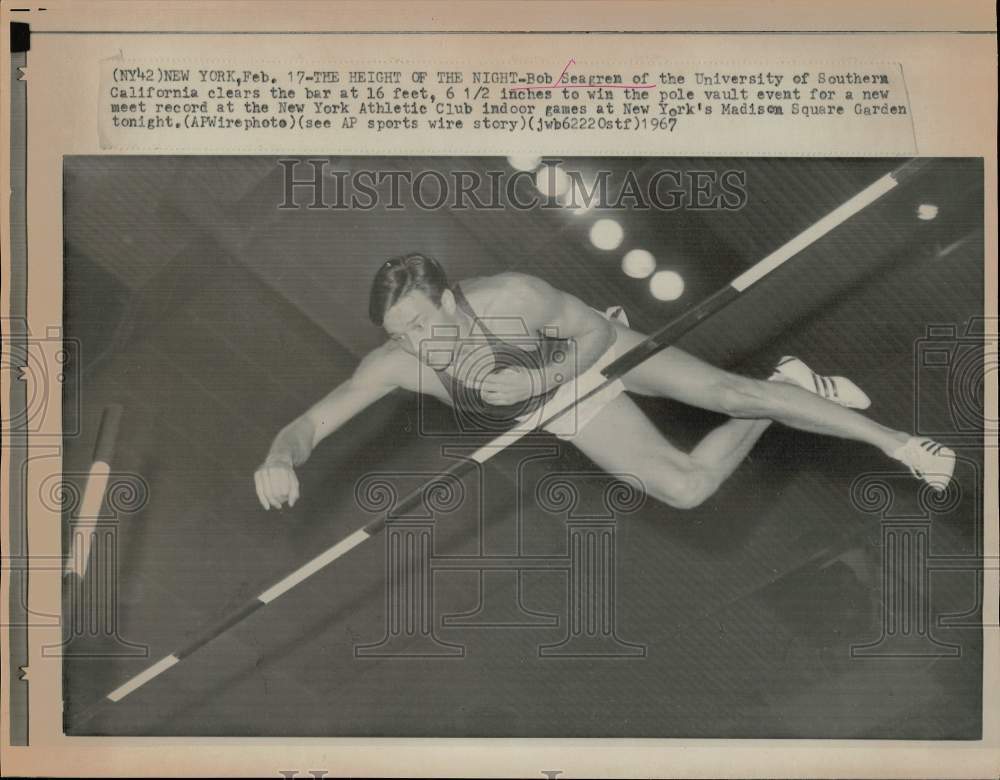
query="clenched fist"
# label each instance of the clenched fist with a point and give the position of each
(276, 483)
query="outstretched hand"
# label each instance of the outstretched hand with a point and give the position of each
(276, 483)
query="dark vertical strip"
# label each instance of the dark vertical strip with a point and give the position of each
(395, 572)
(592, 575)
(15, 340)
(426, 586)
(607, 580)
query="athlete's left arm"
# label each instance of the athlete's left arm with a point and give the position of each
(545, 309)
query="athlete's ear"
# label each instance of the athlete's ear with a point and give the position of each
(448, 302)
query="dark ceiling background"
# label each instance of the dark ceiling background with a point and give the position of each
(135, 217)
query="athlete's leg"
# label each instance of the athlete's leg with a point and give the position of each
(621, 439)
(676, 374)
(725, 448)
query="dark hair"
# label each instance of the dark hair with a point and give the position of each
(399, 275)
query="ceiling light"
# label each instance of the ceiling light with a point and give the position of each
(638, 263)
(606, 234)
(666, 285)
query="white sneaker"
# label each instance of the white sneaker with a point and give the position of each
(838, 389)
(927, 460)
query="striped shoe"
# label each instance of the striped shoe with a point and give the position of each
(927, 460)
(838, 389)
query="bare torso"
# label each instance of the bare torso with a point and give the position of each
(497, 302)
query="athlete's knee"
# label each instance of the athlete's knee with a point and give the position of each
(687, 489)
(740, 396)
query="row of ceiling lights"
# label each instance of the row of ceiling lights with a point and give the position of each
(605, 233)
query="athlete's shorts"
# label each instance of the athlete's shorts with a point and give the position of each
(574, 420)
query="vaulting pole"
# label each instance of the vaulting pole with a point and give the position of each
(93, 493)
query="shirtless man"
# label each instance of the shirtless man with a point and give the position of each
(509, 344)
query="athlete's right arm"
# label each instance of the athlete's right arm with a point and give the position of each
(275, 480)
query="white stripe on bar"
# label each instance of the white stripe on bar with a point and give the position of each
(501, 442)
(816, 231)
(141, 679)
(317, 563)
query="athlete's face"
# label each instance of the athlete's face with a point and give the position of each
(424, 329)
